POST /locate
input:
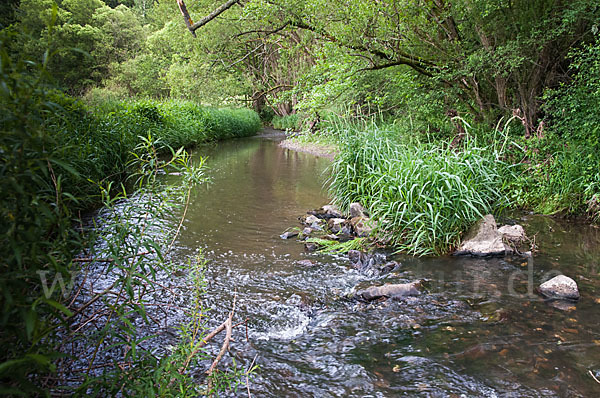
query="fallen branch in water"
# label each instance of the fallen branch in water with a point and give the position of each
(228, 327)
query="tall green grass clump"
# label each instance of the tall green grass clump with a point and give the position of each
(423, 196)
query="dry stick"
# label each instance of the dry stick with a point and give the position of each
(81, 285)
(225, 347)
(247, 378)
(185, 209)
(594, 377)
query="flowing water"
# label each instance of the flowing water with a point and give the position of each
(477, 330)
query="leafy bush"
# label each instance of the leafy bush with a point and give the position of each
(55, 153)
(423, 196)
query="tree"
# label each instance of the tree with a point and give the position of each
(496, 56)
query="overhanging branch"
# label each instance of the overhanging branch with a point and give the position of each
(192, 27)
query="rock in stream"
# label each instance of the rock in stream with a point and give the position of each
(390, 291)
(560, 287)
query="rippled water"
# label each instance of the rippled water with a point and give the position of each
(478, 330)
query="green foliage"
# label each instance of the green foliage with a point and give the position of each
(55, 154)
(35, 222)
(423, 196)
(289, 122)
(565, 161)
(335, 247)
(84, 37)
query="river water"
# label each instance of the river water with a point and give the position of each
(478, 330)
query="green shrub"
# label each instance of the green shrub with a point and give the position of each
(564, 171)
(55, 153)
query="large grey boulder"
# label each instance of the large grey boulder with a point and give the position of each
(560, 287)
(390, 290)
(483, 239)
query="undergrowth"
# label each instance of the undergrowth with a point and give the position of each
(290, 122)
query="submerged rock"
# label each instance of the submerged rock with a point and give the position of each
(361, 259)
(371, 264)
(307, 231)
(310, 246)
(390, 290)
(305, 263)
(483, 239)
(288, 234)
(560, 287)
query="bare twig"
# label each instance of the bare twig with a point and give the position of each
(224, 347)
(185, 209)
(594, 377)
(227, 325)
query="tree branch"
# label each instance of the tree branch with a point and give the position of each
(192, 27)
(417, 63)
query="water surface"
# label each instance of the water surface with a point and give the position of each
(478, 330)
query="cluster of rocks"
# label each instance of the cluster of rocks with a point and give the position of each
(356, 224)
(328, 222)
(483, 239)
(486, 239)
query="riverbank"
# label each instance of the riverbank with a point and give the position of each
(428, 190)
(60, 158)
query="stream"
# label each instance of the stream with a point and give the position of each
(478, 330)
